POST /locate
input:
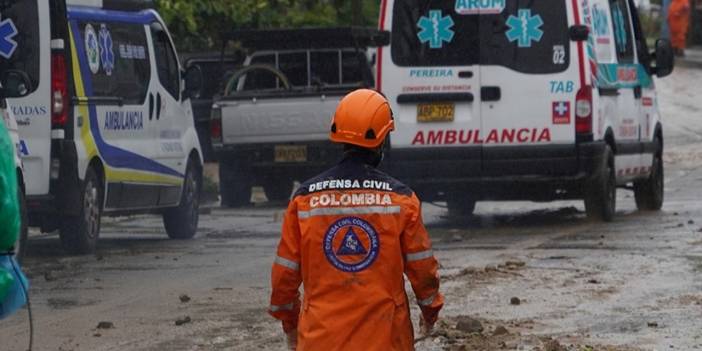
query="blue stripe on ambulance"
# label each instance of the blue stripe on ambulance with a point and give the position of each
(114, 156)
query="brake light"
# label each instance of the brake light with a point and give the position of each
(216, 125)
(59, 91)
(583, 110)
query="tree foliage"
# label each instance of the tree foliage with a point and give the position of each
(196, 25)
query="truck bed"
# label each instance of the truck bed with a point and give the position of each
(279, 118)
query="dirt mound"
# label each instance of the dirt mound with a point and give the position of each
(504, 270)
(463, 333)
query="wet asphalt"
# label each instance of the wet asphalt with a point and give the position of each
(635, 282)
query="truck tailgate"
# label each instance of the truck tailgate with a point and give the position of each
(273, 120)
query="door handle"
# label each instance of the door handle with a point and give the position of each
(490, 93)
(151, 106)
(609, 91)
(465, 74)
(158, 106)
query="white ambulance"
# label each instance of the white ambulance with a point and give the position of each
(107, 127)
(524, 100)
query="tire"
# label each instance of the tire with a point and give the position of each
(181, 222)
(234, 184)
(460, 207)
(21, 246)
(601, 193)
(279, 190)
(649, 193)
(79, 234)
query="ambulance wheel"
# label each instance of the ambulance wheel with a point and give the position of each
(601, 196)
(459, 207)
(234, 184)
(649, 193)
(181, 222)
(79, 234)
(21, 246)
(279, 190)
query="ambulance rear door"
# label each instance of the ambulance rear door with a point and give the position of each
(430, 75)
(529, 76)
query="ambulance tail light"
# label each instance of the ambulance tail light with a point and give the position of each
(583, 110)
(216, 125)
(59, 91)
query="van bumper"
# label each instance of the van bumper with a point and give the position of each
(64, 192)
(537, 173)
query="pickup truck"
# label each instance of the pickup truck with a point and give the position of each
(270, 127)
(211, 67)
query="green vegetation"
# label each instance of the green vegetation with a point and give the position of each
(196, 25)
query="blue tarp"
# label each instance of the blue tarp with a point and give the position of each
(16, 297)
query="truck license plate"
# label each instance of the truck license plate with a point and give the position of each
(435, 112)
(290, 153)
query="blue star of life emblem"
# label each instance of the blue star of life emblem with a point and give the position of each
(7, 32)
(524, 28)
(107, 55)
(435, 29)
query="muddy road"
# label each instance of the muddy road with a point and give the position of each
(524, 275)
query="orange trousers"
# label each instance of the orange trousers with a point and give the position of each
(679, 22)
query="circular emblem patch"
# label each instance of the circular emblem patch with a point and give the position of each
(91, 49)
(351, 244)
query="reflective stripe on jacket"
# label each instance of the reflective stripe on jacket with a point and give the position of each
(349, 235)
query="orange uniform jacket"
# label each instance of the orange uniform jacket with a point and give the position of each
(349, 235)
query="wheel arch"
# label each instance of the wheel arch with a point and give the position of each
(98, 167)
(196, 158)
(609, 139)
(658, 133)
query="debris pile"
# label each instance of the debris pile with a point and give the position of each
(464, 333)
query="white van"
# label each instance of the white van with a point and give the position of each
(107, 127)
(524, 100)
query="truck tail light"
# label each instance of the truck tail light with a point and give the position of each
(216, 125)
(59, 91)
(583, 110)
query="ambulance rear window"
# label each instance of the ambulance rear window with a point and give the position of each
(527, 36)
(24, 18)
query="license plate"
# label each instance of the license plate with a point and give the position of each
(435, 112)
(290, 153)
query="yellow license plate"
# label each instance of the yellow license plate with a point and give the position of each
(435, 112)
(290, 153)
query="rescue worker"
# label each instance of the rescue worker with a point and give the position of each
(679, 22)
(12, 281)
(348, 236)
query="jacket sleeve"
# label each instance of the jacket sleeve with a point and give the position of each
(285, 275)
(420, 265)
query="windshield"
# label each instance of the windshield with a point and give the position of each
(525, 35)
(23, 18)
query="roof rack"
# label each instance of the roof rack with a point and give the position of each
(308, 38)
(120, 5)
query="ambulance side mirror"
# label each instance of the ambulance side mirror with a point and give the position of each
(579, 32)
(665, 60)
(194, 82)
(15, 83)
